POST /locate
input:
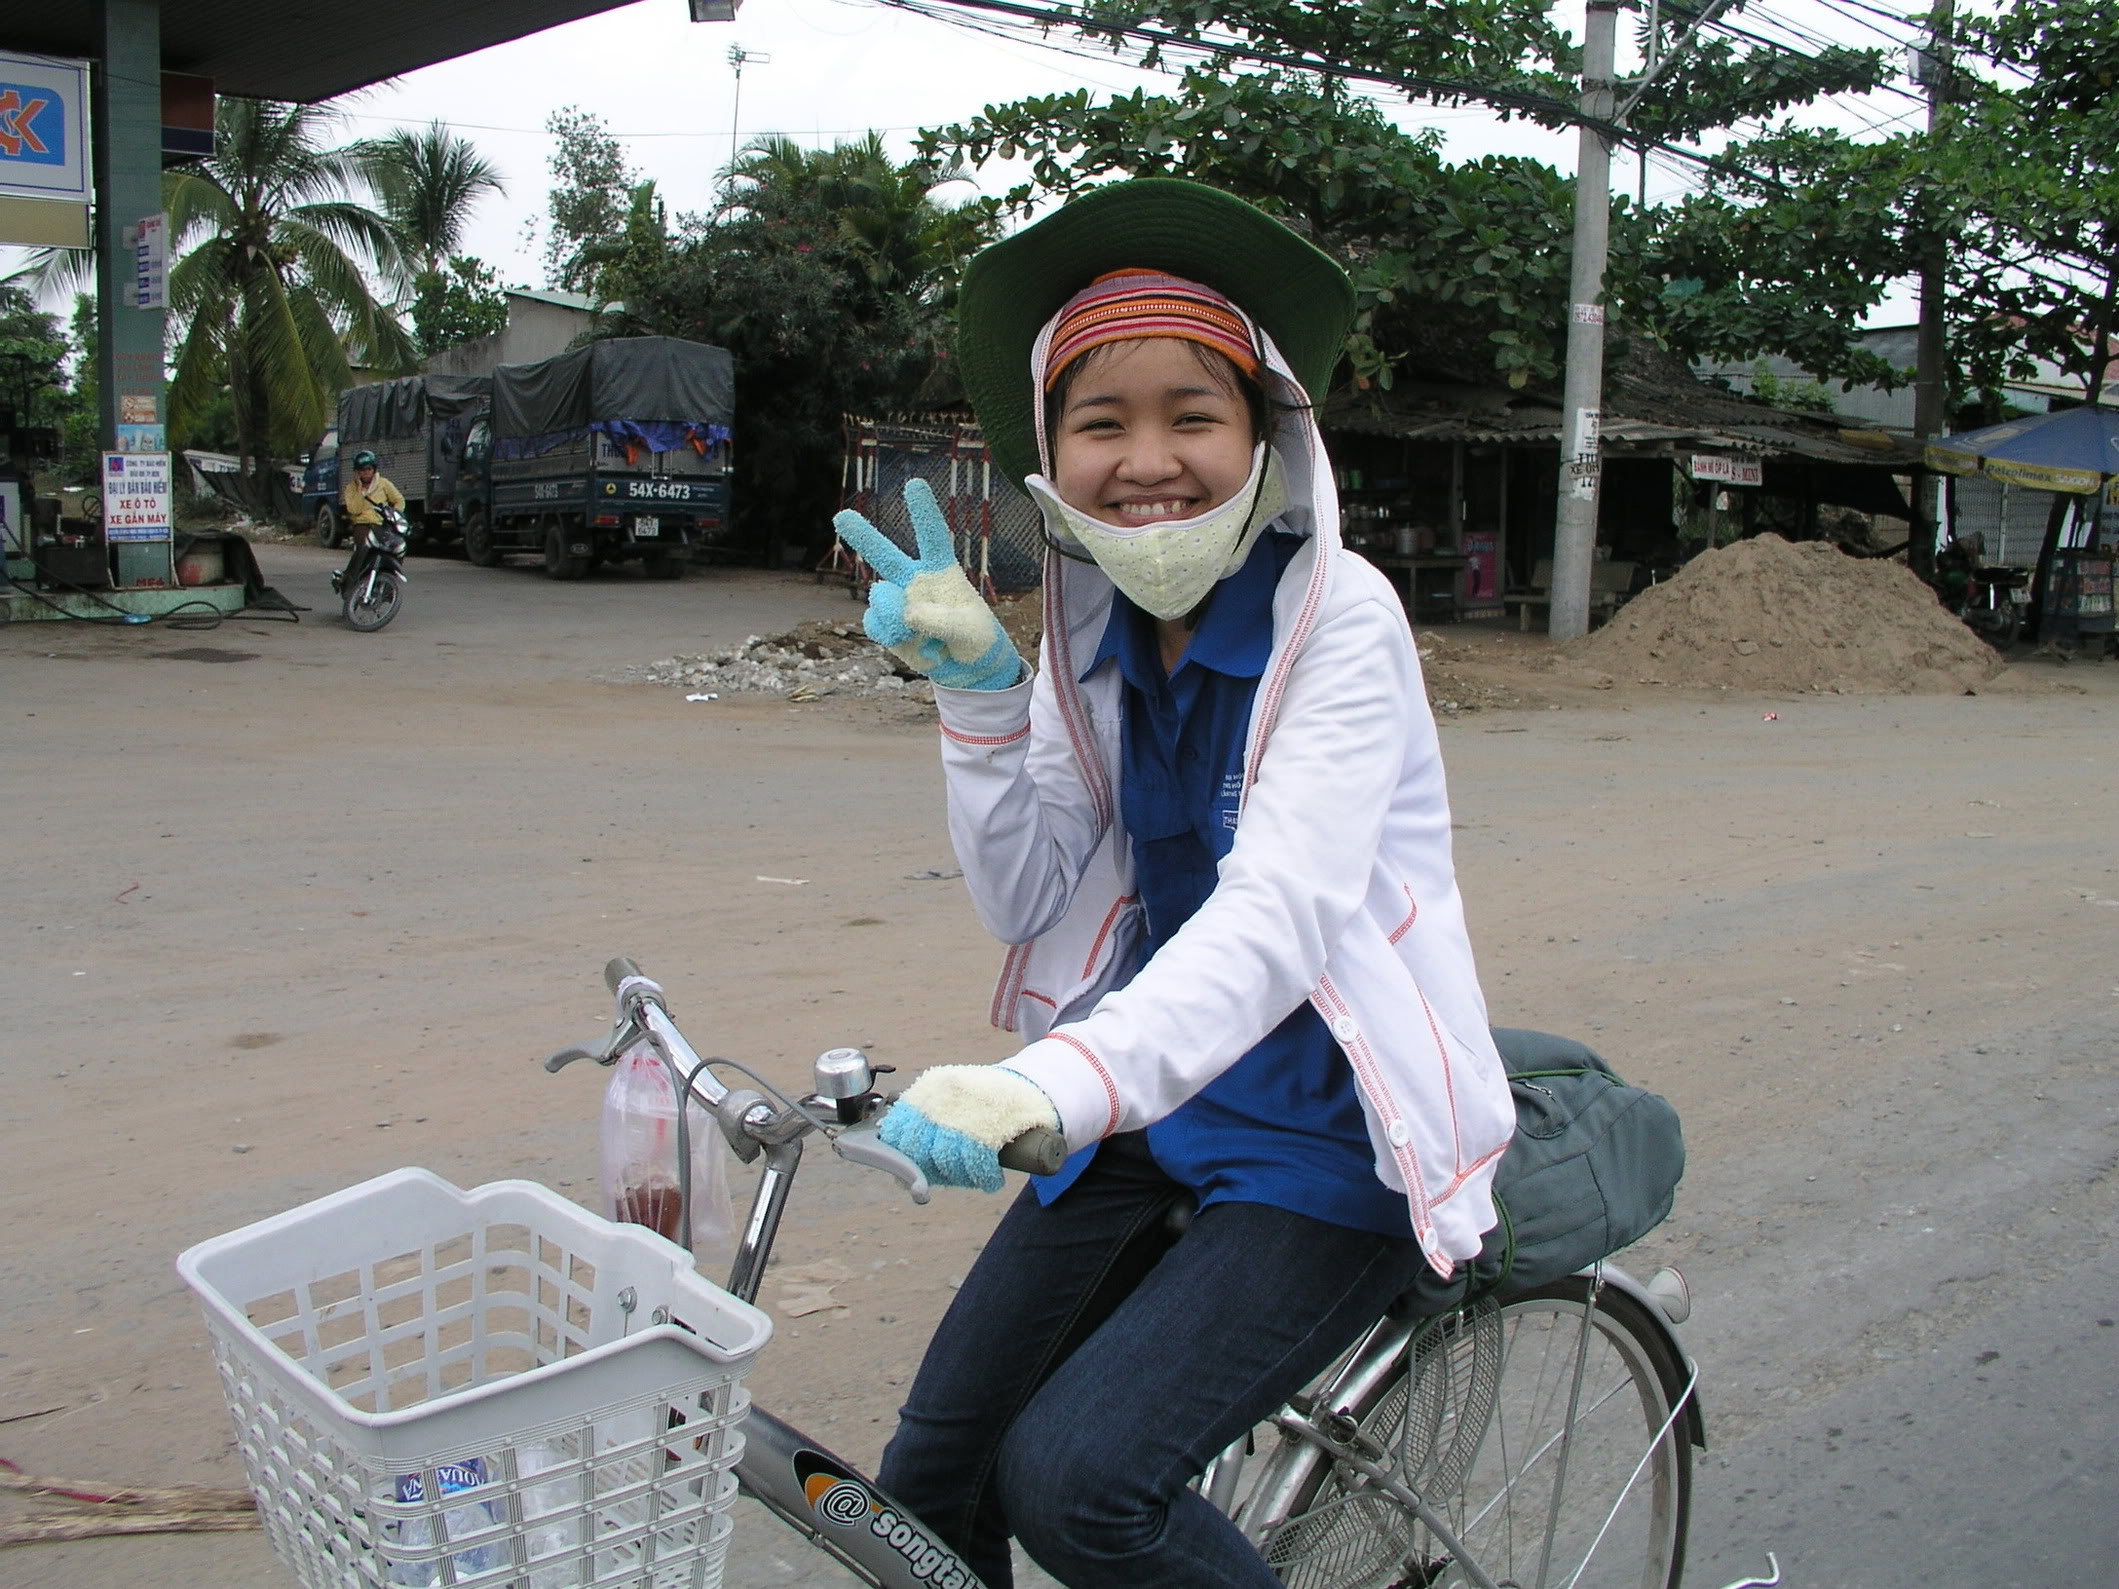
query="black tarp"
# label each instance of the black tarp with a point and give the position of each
(402, 408)
(643, 379)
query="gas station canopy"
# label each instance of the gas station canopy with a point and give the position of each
(305, 50)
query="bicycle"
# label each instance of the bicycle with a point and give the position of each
(1532, 1441)
(1541, 1440)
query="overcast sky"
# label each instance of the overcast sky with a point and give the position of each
(837, 68)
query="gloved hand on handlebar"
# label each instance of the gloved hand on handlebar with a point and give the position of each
(925, 612)
(955, 1119)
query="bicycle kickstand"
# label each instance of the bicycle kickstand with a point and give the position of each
(1773, 1566)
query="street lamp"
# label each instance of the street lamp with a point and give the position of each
(715, 10)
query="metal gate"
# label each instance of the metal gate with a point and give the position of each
(999, 536)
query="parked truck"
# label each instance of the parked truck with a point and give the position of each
(418, 427)
(614, 451)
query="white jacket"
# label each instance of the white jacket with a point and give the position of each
(1339, 889)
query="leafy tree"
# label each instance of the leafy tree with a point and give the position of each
(1489, 239)
(269, 300)
(458, 304)
(81, 429)
(614, 266)
(32, 360)
(593, 189)
(2033, 167)
(826, 274)
(430, 181)
(2019, 183)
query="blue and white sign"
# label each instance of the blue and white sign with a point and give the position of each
(43, 128)
(136, 496)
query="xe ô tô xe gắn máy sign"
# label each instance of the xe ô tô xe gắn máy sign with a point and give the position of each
(136, 496)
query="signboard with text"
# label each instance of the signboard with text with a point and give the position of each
(136, 496)
(150, 262)
(43, 127)
(1728, 471)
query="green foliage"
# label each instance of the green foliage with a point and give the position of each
(2015, 192)
(429, 182)
(1712, 84)
(1488, 238)
(1806, 396)
(1786, 263)
(1505, 52)
(592, 196)
(269, 301)
(81, 428)
(2031, 166)
(1488, 241)
(32, 360)
(825, 274)
(457, 304)
(613, 267)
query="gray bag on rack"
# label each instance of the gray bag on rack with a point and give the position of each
(1593, 1166)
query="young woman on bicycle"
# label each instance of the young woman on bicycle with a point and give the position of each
(1213, 827)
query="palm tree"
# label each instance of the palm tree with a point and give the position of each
(269, 295)
(884, 213)
(429, 181)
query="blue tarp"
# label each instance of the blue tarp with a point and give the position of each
(654, 436)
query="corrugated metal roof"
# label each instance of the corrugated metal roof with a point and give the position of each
(300, 49)
(1652, 403)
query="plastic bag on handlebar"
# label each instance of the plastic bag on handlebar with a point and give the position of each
(641, 1185)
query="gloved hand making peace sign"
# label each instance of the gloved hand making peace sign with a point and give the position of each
(925, 612)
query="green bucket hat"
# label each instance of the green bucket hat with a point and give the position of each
(1297, 293)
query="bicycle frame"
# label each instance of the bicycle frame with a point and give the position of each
(841, 1511)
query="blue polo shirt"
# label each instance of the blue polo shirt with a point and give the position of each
(1283, 1125)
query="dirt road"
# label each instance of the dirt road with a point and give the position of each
(289, 906)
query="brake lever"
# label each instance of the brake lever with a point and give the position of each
(567, 1056)
(864, 1147)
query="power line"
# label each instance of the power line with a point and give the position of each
(546, 132)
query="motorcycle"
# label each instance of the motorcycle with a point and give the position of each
(1994, 602)
(372, 586)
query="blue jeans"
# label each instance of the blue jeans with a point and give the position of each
(1088, 1370)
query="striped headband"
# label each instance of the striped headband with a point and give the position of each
(1124, 305)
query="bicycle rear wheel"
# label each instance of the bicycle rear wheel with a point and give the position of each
(1540, 1432)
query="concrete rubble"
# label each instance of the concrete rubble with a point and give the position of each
(813, 660)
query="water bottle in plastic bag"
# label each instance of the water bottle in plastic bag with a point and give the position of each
(640, 1184)
(451, 1478)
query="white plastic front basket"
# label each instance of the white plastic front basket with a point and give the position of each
(493, 1387)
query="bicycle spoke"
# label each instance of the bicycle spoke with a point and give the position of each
(1574, 1475)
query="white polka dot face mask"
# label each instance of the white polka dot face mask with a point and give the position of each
(1166, 568)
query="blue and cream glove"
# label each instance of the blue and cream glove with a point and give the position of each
(954, 1121)
(924, 611)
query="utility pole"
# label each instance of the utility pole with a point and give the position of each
(1581, 458)
(737, 56)
(1931, 355)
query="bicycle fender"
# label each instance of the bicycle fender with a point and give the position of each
(1694, 1420)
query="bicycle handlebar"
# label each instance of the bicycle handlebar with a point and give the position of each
(1038, 1151)
(642, 1013)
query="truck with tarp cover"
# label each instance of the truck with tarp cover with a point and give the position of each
(613, 451)
(419, 428)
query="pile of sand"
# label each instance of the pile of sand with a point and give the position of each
(1767, 615)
